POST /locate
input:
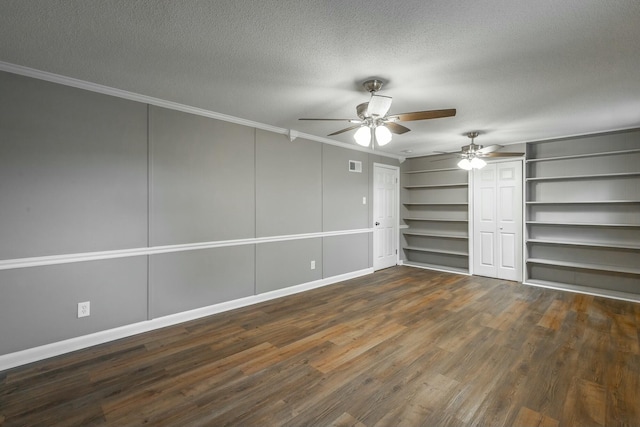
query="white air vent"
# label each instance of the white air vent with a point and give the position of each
(355, 166)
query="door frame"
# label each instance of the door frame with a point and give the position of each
(396, 225)
(523, 196)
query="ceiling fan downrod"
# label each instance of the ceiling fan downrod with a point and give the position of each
(473, 147)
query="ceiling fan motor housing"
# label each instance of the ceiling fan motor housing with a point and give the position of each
(372, 85)
(471, 148)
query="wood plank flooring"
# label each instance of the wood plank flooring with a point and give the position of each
(403, 346)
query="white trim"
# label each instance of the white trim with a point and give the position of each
(35, 354)
(132, 96)
(525, 214)
(154, 250)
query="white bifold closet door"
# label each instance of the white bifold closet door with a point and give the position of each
(497, 220)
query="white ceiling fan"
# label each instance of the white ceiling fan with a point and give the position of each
(472, 154)
(373, 117)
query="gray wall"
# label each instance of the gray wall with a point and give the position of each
(38, 305)
(342, 190)
(288, 185)
(83, 172)
(73, 170)
(283, 264)
(202, 179)
(186, 280)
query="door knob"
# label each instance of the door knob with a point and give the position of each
(377, 223)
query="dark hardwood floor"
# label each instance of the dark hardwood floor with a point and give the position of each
(403, 346)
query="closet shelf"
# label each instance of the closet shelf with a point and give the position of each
(436, 204)
(611, 245)
(582, 202)
(435, 220)
(583, 289)
(585, 266)
(578, 177)
(437, 267)
(457, 184)
(580, 156)
(582, 224)
(435, 251)
(426, 234)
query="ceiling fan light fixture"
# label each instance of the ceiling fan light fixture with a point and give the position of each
(383, 135)
(465, 164)
(363, 136)
(477, 163)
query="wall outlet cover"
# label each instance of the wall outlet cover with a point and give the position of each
(84, 309)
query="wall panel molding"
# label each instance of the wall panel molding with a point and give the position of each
(153, 250)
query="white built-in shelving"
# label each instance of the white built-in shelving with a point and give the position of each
(583, 213)
(435, 209)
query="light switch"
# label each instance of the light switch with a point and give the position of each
(364, 200)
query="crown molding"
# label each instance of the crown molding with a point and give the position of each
(132, 96)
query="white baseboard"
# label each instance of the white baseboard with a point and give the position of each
(35, 354)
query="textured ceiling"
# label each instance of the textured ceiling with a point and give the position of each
(515, 70)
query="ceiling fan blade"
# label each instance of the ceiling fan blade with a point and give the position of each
(502, 155)
(334, 120)
(489, 149)
(379, 105)
(344, 130)
(396, 128)
(424, 115)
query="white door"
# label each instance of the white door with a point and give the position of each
(385, 216)
(497, 220)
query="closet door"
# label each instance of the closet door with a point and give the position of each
(497, 220)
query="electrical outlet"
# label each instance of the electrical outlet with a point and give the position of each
(364, 200)
(313, 265)
(84, 309)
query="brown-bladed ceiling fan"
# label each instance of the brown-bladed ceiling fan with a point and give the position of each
(373, 117)
(472, 154)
